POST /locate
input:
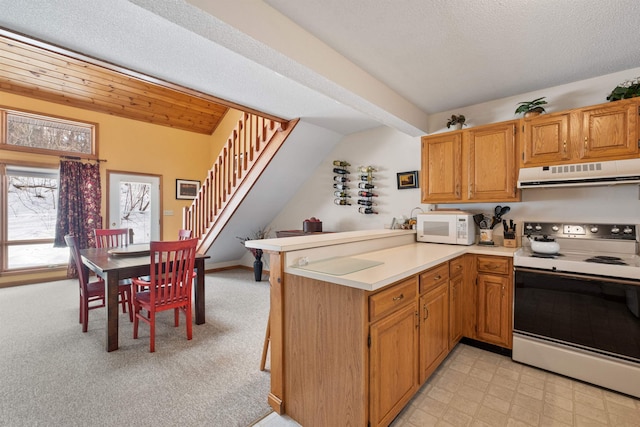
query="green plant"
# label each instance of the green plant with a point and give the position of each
(456, 120)
(535, 106)
(626, 89)
(261, 233)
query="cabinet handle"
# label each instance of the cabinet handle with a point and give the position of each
(399, 297)
(586, 139)
(426, 312)
(502, 291)
(438, 277)
(564, 146)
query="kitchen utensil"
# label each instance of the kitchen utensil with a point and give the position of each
(504, 210)
(511, 227)
(544, 245)
(477, 218)
(504, 225)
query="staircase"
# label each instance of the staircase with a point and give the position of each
(249, 149)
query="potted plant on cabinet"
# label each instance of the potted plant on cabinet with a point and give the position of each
(456, 121)
(262, 233)
(532, 108)
(626, 89)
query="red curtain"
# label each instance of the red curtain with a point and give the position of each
(79, 197)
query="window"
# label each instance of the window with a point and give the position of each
(29, 192)
(31, 207)
(41, 134)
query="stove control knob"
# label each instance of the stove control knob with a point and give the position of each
(538, 227)
(555, 228)
(594, 229)
(627, 230)
(615, 230)
(528, 227)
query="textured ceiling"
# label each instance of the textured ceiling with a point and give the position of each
(346, 65)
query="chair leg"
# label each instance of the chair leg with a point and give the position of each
(85, 315)
(136, 321)
(176, 315)
(189, 322)
(128, 296)
(265, 346)
(152, 332)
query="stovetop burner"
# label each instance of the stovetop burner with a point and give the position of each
(604, 259)
(547, 256)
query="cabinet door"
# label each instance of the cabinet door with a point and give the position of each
(610, 131)
(434, 329)
(455, 310)
(492, 163)
(546, 139)
(442, 168)
(393, 364)
(494, 309)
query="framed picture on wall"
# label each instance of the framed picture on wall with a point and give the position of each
(187, 189)
(407, 180)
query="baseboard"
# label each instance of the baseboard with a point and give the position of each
(486, 346)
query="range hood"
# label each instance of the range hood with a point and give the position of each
(581, 174)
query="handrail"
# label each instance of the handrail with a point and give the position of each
(244, 147)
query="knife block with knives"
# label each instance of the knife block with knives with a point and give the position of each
(509, 234)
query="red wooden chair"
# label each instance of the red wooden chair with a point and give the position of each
(169, 287)
(92, 292)
(115, 238)
(111, 237)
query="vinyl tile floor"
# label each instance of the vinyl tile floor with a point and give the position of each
(474, 387)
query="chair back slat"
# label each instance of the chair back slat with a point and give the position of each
(172, 274)
(184, 234)
(111, 237)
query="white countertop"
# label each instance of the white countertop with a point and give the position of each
(399, 263)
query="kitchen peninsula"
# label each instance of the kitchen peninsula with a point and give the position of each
(355, 317)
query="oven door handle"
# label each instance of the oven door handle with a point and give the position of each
(579, 275)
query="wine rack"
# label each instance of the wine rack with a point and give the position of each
(341, 183)
(366, 190)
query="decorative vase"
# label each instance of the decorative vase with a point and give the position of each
(257, 269)
(457, 126)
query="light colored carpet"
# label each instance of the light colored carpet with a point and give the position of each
(53, 374)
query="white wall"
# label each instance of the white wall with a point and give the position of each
(391, 151)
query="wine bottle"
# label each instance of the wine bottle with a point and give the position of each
(366, 185)
(340, 178)
(366, 202)
(365, 178)
(340, 171)
(366, 211)
(366, 169)
(341, 194)
(366, 194)
(340, 186)
(341, 202)
(341, 163)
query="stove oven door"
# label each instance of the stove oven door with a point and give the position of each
(596, 313)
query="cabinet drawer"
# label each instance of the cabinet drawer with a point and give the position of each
(387, 301)
(433, 277)
(456, 266)
(492, 264)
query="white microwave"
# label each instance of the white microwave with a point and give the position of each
(451, 227)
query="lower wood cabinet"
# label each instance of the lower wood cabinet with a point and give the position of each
(393, 364)
(434, 329)
(495, 296)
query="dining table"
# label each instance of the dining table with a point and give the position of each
(116, 264)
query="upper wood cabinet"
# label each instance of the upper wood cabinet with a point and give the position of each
(474, 165)
(601, 132)
(546, 139)
(492, 168)
(442, 167)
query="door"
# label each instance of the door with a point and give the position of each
(610, 131)
(546, 139)
(494, 315)
(134, 202)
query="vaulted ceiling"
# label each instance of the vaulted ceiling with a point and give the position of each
(346, 65)
(34, 69)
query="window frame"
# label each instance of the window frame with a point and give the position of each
(94, 155)
(50, 160)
